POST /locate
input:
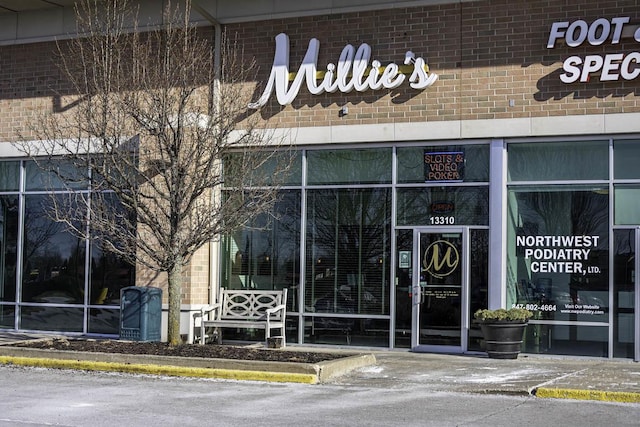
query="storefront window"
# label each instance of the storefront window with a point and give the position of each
(624, 279)
(627, 204)
(103, 321)
(468, 163)
(55, 175)
(8, 246)
(9, 176)
(570, 340)
(558, 262)
(348, 244)
(7, 316)
(364, 166)
(478, 283)
(109, 274)
(266, 254)
(625, 157)
(559, 161)
(347, 265)
(57, 281)
(53, 258)
(63, 319)
(443, 206)
(262, 168)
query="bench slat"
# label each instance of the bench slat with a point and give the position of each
(241, 324)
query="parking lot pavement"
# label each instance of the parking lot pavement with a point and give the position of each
(543, 376)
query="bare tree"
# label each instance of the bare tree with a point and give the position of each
(151, 119)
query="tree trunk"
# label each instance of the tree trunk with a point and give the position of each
(174, 298)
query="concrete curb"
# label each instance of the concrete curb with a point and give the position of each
(160, 370)
(578, 394)
(293, 372)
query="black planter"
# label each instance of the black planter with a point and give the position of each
(503, 340)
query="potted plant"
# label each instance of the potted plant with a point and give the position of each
(503, 330)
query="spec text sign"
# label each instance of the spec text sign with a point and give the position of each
(610, 67)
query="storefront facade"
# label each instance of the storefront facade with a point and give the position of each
(489, 160)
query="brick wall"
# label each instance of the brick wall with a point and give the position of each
(491, 57)
(29, 83)
(195, 276)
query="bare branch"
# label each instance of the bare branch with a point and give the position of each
(147, 135)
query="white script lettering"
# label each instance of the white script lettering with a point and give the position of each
(352, 72)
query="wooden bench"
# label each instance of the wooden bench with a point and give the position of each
(261, 309)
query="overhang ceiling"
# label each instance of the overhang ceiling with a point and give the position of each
(29, 21)
(12, 6)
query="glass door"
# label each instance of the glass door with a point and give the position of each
(439, 290)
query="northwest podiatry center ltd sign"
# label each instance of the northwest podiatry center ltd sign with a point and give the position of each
(559, 254)
(610, 67)
(354, 71)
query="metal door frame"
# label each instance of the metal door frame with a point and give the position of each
(416, 294)
(636, 308)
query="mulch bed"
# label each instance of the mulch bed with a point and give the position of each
(183, 350)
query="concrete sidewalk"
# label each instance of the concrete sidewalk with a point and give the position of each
(542, 376)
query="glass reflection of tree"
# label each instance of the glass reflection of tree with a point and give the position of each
(550, 208)
(348, 248)
(366, 166)
(568, 213)
(286, 242)
(578, 213)
(9, 246)
(348, 232)
(590, 214)
(558, 161)
(479, 264)
(49, 272)
(590, 217)
(264, 253)
(624, 261)
(110, 272)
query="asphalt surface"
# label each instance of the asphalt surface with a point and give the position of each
(543, 376)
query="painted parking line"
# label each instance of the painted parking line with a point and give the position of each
(577, 394)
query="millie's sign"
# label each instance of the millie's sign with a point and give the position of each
(352, 72)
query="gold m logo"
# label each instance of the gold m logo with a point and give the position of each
(440, 259)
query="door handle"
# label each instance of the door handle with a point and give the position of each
(416, 294)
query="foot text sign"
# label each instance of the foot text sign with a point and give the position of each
(609, 67)
(352, 72)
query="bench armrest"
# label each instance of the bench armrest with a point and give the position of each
(276, 309)
(208, 309)
(206, 314)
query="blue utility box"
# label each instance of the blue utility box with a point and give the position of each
(140, 313)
